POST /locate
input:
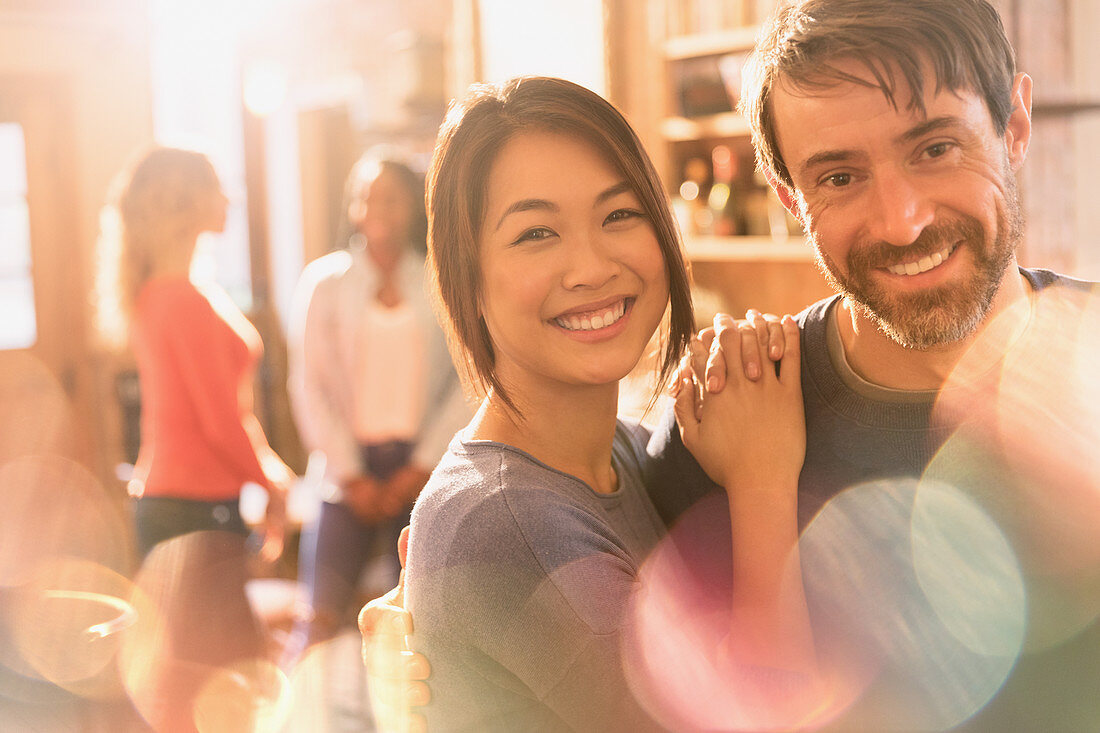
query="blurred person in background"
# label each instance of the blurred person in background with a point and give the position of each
(196, 355)
(200, 439)
(372, 386)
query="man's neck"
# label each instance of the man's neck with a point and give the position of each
(880, 360)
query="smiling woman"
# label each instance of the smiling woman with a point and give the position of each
(555, 256)
(557, 267)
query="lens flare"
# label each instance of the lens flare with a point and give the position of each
(1026, 401)
(35, 418)
(968, 572)
(329, 684)
(196, 639)
(680, 623)
(68, 623)
(889, 577)
(53, 507)
(252, 695)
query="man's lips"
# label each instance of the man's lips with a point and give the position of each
(923, 264)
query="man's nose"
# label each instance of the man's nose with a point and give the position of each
(899, 211)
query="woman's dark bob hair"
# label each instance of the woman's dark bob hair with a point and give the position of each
(475, 130)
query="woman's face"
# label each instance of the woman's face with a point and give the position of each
(381, 210)
(573, 280)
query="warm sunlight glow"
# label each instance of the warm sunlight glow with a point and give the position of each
(265, 88)
(1035, 415)
(563, 38)
(18, 327)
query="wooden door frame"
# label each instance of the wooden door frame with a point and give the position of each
(43, 105)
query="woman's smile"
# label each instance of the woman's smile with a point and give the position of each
(596, 319)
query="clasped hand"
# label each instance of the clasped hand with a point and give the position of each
(745, 426)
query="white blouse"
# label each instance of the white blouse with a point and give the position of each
(388, 392)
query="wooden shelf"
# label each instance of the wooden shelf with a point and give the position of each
(727, 124)
(710, 44)
(747, 249)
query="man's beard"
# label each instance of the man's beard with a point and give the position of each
(934, 316)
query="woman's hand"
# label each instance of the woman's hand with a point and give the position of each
(759, 339)
(279, 480)
(751, 434)
(274, 526)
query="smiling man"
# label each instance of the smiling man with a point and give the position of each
(941, 374)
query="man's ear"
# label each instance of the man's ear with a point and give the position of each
(786, 196)
(1018, 130)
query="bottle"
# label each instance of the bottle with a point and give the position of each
(689, 204)
(719, 200)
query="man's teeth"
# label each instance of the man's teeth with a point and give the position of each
(924, 264)
(593, 321)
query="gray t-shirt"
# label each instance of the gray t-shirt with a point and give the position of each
(520, 578)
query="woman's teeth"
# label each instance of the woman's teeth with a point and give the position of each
(924, 264)
(592, 321)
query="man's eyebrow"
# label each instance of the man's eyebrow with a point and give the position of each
(827, 156)
(527, 205)
(913, 133)
(923, 128)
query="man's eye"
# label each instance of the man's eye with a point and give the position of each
(838, 180)
(534, 234)
(935, 151)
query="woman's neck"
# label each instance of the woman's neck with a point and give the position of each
(567, 427)
(387, 264)
(175, 259)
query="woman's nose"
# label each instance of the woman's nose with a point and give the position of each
(589, 262)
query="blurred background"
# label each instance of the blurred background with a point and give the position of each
(284, 95)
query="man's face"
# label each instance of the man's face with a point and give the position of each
(915, 218)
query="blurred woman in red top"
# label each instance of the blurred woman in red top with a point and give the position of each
(196, 356)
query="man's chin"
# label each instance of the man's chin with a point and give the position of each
(934, 327)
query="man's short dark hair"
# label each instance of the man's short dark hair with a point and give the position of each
(963, 41)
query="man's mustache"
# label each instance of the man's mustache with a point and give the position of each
(934, 238)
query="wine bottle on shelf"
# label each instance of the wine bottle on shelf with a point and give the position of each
(690, 202)
(719, 200)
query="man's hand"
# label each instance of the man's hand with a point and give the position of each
(395, 674)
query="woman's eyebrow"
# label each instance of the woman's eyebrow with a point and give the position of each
(545, 205)
(527, 205)
(611, 192)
